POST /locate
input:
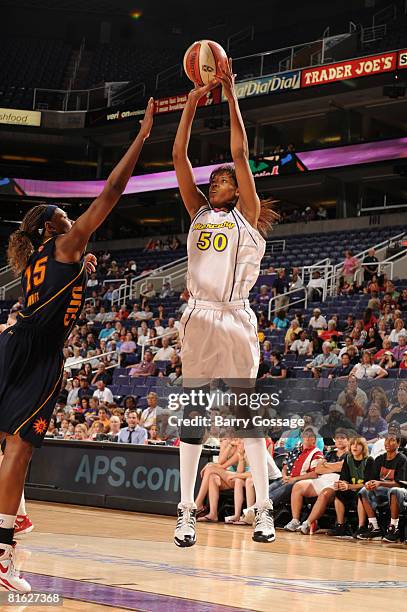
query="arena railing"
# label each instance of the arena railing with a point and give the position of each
(150, 340)
(80, 362)
(383, 267)
(77, 64)
(301, 300)
(127, 94)
(95, 98)
(131, 289)
(385, 15)
(275, 244)
(173, 279)
(373, 33)
(8, 286)
(273, 61)
(325, 268)
(333, 278)
(239, 37)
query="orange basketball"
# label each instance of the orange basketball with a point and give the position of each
(201, 61)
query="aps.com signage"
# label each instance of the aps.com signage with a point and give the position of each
(144, 473)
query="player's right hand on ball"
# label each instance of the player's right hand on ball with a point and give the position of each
(198, 92)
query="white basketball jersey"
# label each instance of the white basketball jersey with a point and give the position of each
(224, 255)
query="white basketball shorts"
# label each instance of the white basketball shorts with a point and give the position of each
(219, 340)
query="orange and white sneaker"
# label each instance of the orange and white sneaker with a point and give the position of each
(10, 578)
(22, 525)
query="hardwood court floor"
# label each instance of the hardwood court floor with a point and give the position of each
(106, 559)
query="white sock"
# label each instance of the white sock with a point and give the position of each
(7, 521)
(22, 510)
(374, 522)
(256, 452)
(189, 455)
(394, 522)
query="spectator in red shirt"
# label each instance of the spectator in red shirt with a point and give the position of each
(299, 464)
(123, 313)
(381, 353)
(403, 364)
(369, 320)
(331, 333)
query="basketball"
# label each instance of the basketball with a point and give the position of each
(201, 61)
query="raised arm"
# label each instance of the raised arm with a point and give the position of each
(249, 203)
(192, 197)
(70, 246)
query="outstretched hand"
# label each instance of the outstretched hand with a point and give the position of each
(147, 122)
(90, 263)
(226, 78)
(199, 92)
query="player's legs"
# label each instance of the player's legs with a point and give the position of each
(242, 361)
(209, 469)
(238, 497)
(325, 497)
(397, 501)
(215, 486)
(340, 511)
(13, 472)
(300, 490)
(23, 524)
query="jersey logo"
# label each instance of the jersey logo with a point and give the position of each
(74, 305)
(33, 299)
(40, 426)
(203, 226)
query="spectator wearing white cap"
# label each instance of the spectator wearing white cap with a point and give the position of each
(317, 321)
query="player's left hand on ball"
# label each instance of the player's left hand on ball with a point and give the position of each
(90, 263)
(226, 78)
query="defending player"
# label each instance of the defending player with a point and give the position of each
(218, 329)
(48, 252)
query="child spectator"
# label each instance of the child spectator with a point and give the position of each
(356, 469)
(389, 470)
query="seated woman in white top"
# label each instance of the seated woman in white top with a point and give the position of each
(399, 330)
(367, 369)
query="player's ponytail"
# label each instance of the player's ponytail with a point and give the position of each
(26, 239)
(268, 216)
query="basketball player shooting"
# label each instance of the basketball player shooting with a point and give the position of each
(47, 251)
(218, 329)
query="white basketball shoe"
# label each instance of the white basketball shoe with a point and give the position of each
(185, 534)
(264, 530)
(10, 578)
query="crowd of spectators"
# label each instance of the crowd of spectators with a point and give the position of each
(143, 340)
